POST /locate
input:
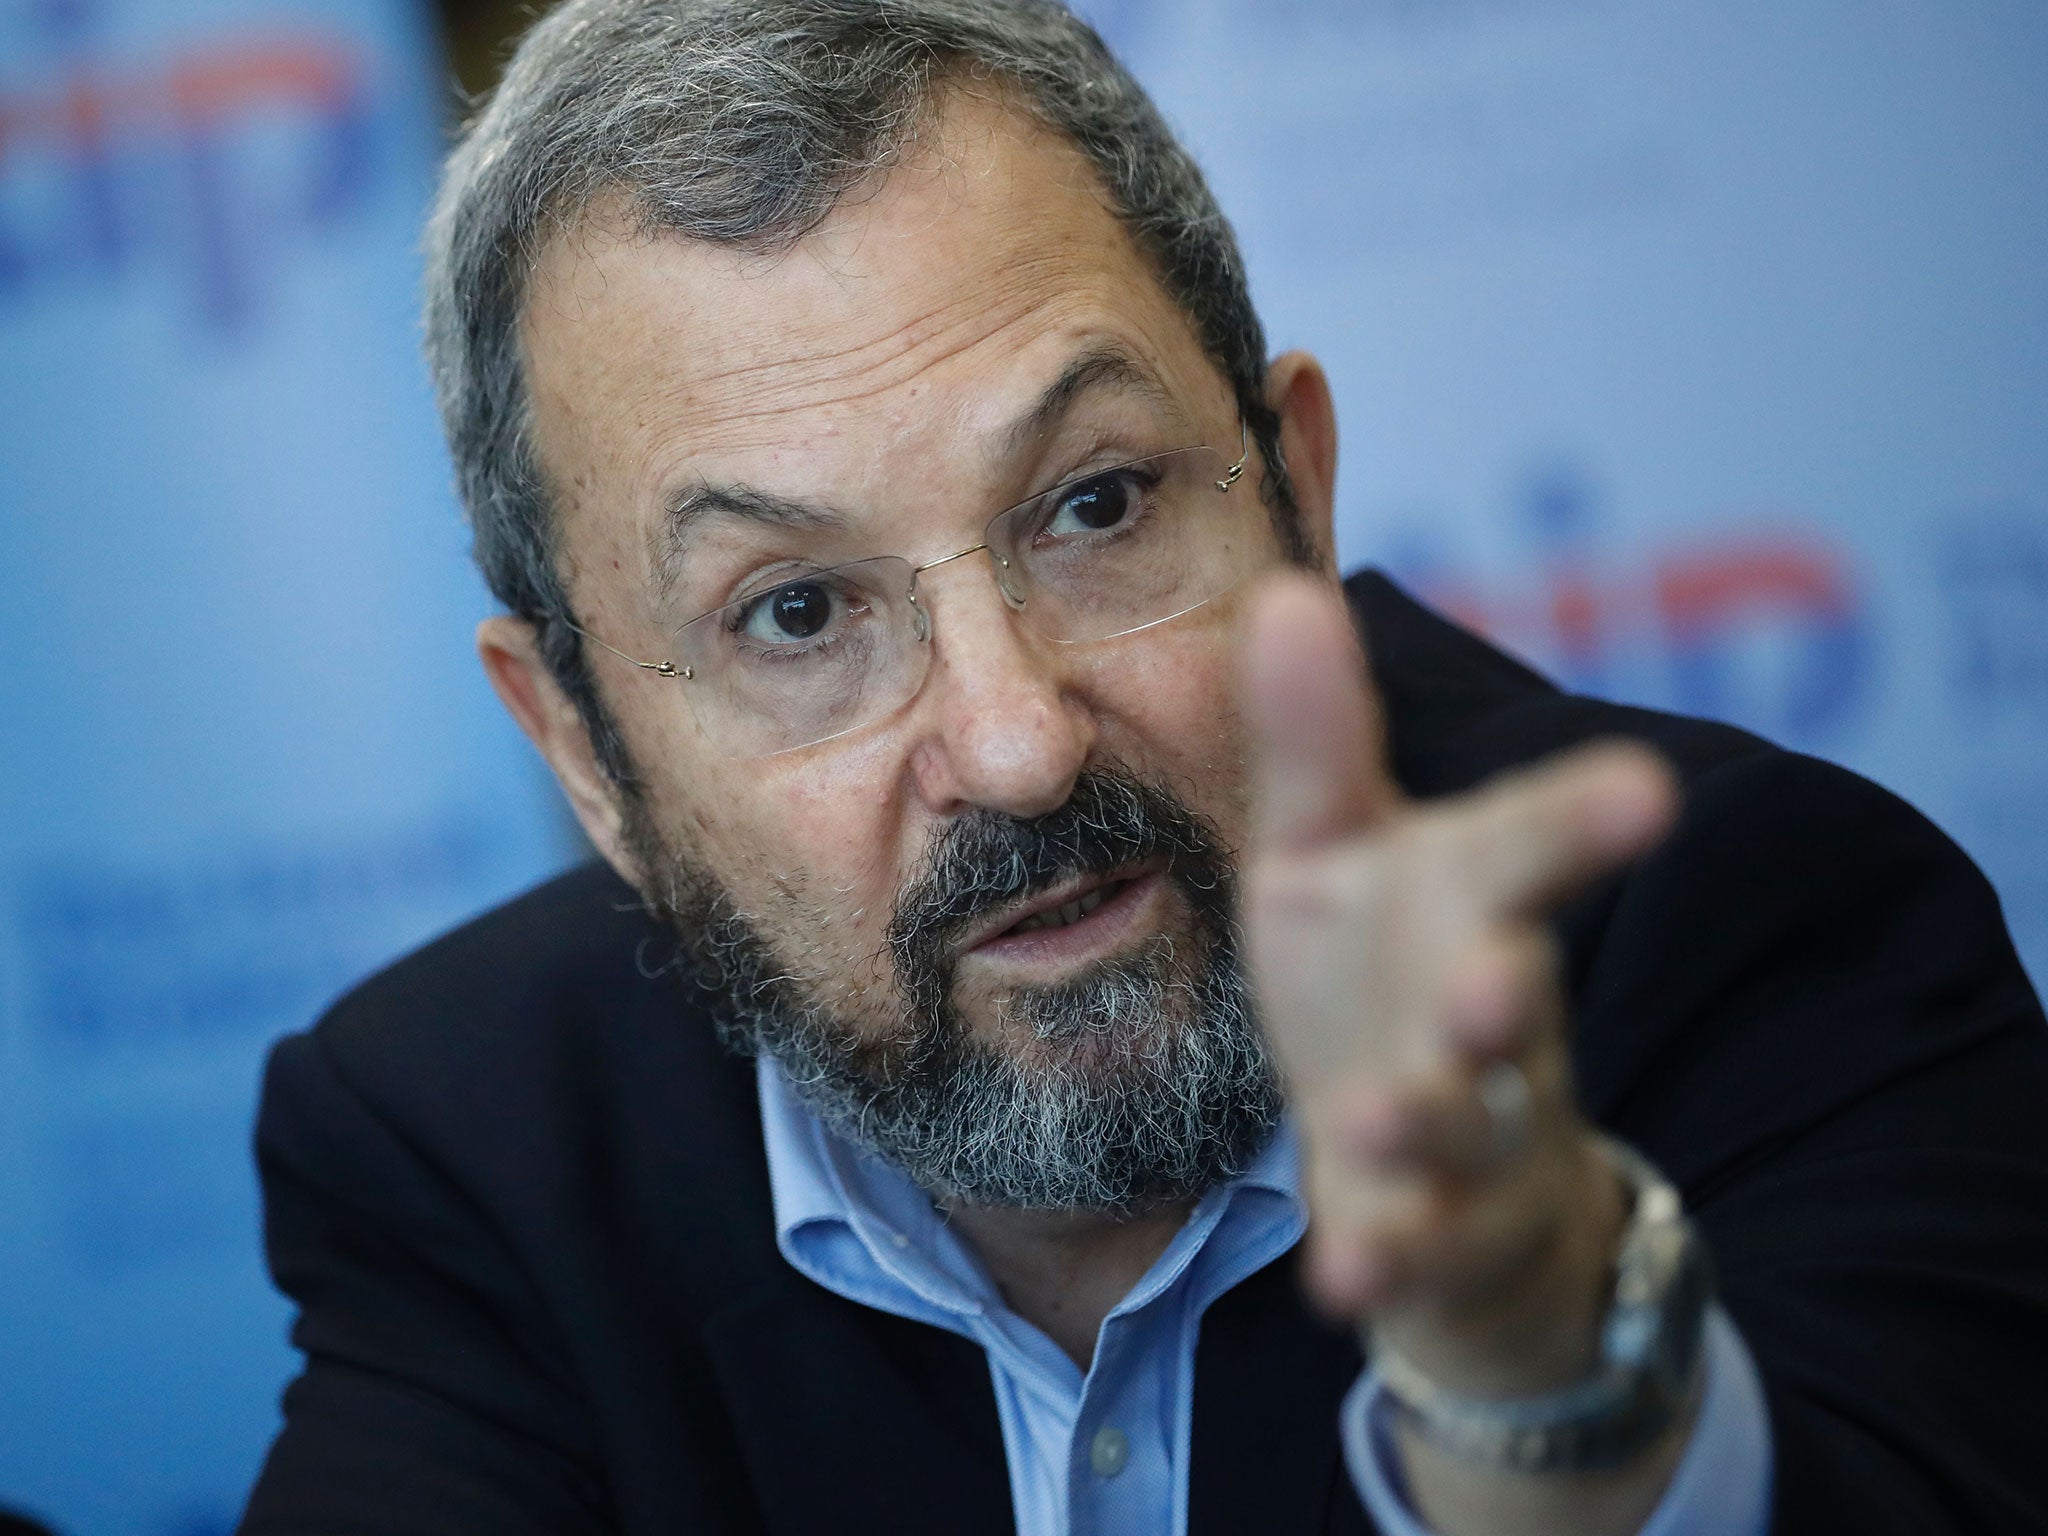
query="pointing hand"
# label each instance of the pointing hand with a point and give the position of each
(1409, 985)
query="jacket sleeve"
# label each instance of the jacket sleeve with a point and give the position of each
(1805, 1009)
(422, 1409)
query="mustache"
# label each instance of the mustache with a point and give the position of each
(984, 860)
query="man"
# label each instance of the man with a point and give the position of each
(919, 581)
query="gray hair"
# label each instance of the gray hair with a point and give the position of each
(1146, 1081)
(742, 123)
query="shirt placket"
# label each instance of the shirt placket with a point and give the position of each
(1120, 1462)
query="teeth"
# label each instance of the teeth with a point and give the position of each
(1072, 912)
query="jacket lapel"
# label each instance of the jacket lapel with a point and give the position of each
(856, 1422)
(1269, 1379)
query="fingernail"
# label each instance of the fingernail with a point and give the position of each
(1637, 804)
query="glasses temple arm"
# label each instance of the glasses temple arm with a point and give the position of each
(1236, 471)
(658, 668)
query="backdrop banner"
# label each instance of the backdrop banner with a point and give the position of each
(247, 752)
(1698, 351)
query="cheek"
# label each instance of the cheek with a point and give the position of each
(833, 821)
(1170, 708)
(810, 844)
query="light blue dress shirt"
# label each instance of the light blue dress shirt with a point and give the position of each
(1105, 1453)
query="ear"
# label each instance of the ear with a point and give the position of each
(1299, 392)
(510, 652)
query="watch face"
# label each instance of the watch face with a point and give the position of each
(1652, 1260)
(1650, 1346)
(1653, 1328)
(1684, 1317)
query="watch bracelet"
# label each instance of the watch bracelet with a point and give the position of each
(1609, 1416)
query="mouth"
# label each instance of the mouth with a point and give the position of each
(1071, 922)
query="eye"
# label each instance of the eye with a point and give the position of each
(1097, 504)
(789, 614)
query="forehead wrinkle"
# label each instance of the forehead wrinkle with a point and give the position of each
(681, 513)
(1103, 363)
(911, 350)
(905, 337)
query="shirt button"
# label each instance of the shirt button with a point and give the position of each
(1110, 1451)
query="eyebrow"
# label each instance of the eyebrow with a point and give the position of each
(694, 504)
(1105, 365)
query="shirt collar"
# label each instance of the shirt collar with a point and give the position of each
(826, 1191)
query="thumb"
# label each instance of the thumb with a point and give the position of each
(1318, 769)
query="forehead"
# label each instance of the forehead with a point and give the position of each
(932, 305)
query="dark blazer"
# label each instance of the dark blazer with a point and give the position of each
(519, 1195)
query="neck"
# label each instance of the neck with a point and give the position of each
(1062, 1271)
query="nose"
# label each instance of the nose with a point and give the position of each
(1002, 728)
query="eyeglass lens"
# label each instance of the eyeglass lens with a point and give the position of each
(825, 652)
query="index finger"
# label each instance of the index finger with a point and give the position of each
(1537, 837)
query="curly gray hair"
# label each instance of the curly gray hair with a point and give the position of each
(742, 122)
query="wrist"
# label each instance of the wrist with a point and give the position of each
(1532, 1324)
(1645, 1376)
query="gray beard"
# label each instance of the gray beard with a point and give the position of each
(1144, 1080)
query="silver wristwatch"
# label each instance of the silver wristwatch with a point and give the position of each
(1650, 1347)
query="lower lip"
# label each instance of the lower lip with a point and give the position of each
(1094, 936)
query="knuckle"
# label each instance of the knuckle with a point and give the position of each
(1527, 952)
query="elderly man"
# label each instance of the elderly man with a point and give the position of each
(1029, 918)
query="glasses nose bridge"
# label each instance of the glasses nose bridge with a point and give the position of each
(1000, 567)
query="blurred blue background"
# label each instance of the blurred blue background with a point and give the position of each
(1698, 351)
